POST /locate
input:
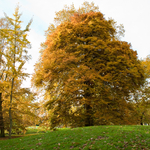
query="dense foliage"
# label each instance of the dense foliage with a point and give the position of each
(87, 73)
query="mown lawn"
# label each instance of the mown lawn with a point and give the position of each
(87, 138)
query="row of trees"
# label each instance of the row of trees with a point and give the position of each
(87, 75)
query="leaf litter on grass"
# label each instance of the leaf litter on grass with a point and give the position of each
(102, 137)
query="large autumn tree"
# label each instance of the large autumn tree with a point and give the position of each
(87, 73)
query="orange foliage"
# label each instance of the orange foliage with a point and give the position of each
(88, 73)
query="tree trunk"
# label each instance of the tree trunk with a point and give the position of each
(88, 109)
(10, 118)
(10, 115)
(141, 119)
(2, 133)
(88, 115)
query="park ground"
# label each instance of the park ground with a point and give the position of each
(83, 138)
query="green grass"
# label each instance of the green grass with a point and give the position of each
(87, 138)
(34, 130)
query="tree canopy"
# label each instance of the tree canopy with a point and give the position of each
(87, 73)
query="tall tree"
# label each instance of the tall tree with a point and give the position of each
(15, 54)
(3, 24)
(87, 73)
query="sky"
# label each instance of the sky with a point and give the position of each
(133, 14)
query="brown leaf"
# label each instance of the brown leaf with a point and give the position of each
(39, 144)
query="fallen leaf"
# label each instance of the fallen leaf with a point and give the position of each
(39, 144)
(71, 147)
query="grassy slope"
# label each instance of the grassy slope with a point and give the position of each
(87, 138)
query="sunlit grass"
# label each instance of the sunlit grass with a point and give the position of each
(87, 138)
(34, 130)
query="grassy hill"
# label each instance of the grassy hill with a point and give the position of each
(87, 138)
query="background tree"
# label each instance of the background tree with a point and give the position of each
(87, 73)
(141, 103)
(15, 56)
(141, 97)
(146, 66)
(3, 42)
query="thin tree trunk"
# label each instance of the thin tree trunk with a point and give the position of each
(10, 115)
(10, 118)
(12, 84)
(2, 134)
(141, 120)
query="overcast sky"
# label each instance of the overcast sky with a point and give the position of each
(133, 14)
